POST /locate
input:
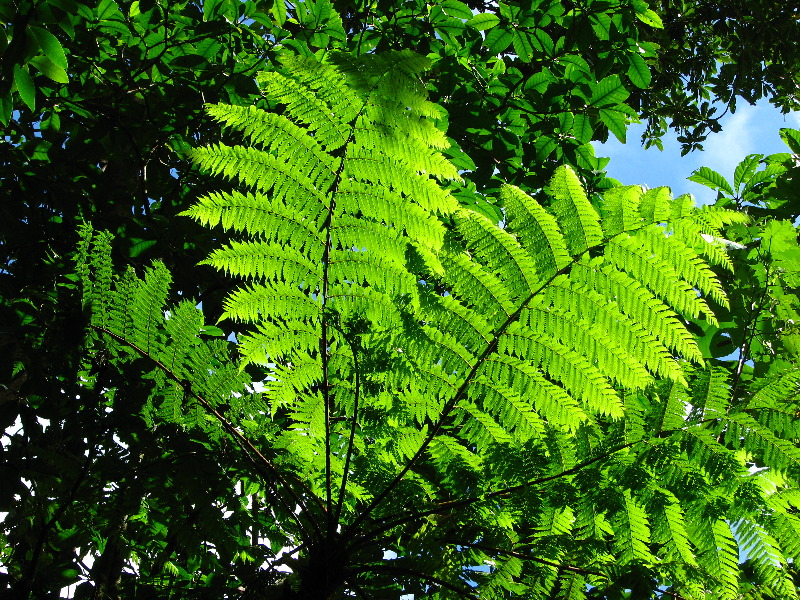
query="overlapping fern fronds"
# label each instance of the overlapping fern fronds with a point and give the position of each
(413, 348)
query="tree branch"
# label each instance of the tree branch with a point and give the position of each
(405, 571)
(250, 451)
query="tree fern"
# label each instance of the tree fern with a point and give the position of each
(434, 379)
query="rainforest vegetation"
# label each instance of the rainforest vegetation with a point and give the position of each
(335, 299)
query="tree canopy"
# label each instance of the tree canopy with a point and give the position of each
(334, 299)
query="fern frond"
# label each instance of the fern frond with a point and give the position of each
(499, 251)
(710, 393)
(670, 528)
(537, 231)
(719, 554)
(307, 106)
(763, 552)
(271, 262)
(578, 219)
(579, 376)
(552, 402)
(517, 416)
(744, 431)
(477, 286)
(270, 218)
(659, 276)
(620, 209)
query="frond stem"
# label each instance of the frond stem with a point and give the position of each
(453, 504)
(353, 425)
(323, 343)
(542, 561)
(405, 571)
(250, 451)
(490, 349)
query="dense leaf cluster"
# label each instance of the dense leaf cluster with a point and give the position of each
(483, 367)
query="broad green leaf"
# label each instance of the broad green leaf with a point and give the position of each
(140, 246)
(483, 21)
(711, 179)
(646, 15)
(791, 138)
(582, 128)
(608, 92)
(522, 46)
(46, 67)
(278, 11)
(638, 71)
(6, 108)
(745, 169)
(210, 9)
(767, 175)
(539, 81)
(616, 121)
(108, 9)
(25, 86)
(50, 46)
(456, 9)
(497, 40)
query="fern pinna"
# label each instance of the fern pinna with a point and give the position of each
(451, 401)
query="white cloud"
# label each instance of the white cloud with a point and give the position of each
(738, 138)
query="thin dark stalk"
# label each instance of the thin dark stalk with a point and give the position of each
(397, 520)
(324, 341)
(543, 561)
(252, 453)
(750, 332)
(450, 405)
(490, 349)
(502, 551)
(353, 425)
(404, 571)
(454, 504)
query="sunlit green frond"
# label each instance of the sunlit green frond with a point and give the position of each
(499, 251)
(685, 260)
(305, 188)
(147, 308)
(670, 529)
(571, 586)
(580, 377)
(476, 285)
(536, 229)
(764, 554)
(654, 205)
(277, 300)
(306, 105)
(718, 554)
(601, 334)
(516, 415)
(710, 393)
(642, 308)
(632, 531)
(744, 431)
(389, 207)
(260, 216)
(552, 402)
(273, 132)
(658, 275)
(479, 427)
(620, 209)
(269, 261)
(578, 219)
(782, 388)
(371, 169)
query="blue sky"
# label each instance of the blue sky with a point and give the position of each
(752, 129)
